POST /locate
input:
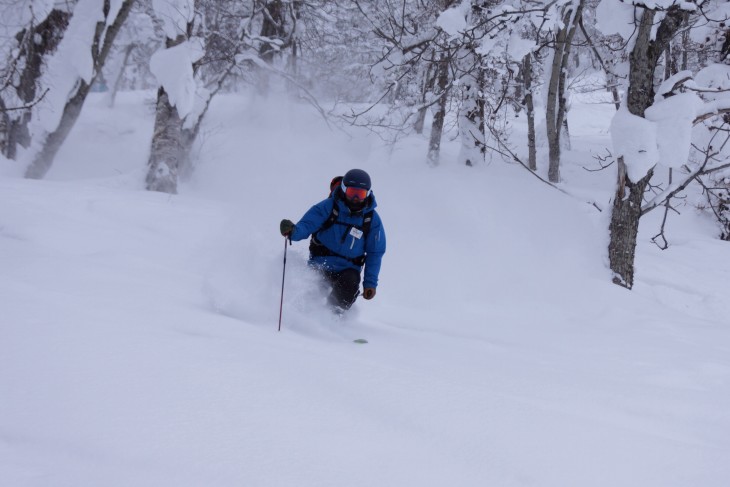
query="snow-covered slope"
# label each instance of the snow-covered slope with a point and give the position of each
(138, 342)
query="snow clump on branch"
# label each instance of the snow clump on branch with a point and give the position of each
(173, 69)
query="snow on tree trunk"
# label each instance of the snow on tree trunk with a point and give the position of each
(437, 126)
(556, 99)
(87, 61)
(471, 115)
(632, 181)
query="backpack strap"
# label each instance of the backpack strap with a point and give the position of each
(332, 219)
(335, 214)
(366, 223)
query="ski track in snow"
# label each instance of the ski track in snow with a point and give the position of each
(138, 341)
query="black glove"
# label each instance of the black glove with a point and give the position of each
(286, 227)
(368, 293)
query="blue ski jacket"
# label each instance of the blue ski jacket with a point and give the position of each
(342, 238)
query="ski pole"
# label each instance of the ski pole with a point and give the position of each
(283, 275)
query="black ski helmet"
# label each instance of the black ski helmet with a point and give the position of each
(356, 178)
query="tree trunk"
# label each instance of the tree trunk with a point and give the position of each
(624, 227)
(120, 76)
(471, 116)
(530, 110)
(565, 135)
(613, 88)
(556, 100)
(44, 159)
(71, 111)
(18, 135)
(426, 88)
(437, 127)
(272, 27)
(292, 67)
(166, 151)
(629, 195)
(295, 46)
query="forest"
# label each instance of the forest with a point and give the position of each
(473, 64)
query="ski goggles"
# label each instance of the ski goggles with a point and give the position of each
(352, 193)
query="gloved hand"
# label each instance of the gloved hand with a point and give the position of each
(286, 227)
(368, 293)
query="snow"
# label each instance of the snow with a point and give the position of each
(664, 136)
(139, 343)
(616, 17)
(621, 17)
(663, 5)
(26, 11)
(709, 26)
(673, 119)
(453, 21)
(716, 106)
(71, 63)
(175, 15)
(518, 48)
(635, 139)
(173, 69)
(114, 7)
(668, 85)
(714, 77)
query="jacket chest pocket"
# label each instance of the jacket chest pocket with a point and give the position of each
(357, 236)
(351, 239)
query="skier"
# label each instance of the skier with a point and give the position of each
(347, 234)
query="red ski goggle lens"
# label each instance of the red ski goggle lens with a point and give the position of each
(359, 193)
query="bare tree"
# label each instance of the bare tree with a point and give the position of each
(101, 44)
(555, 114)
(628, 198)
